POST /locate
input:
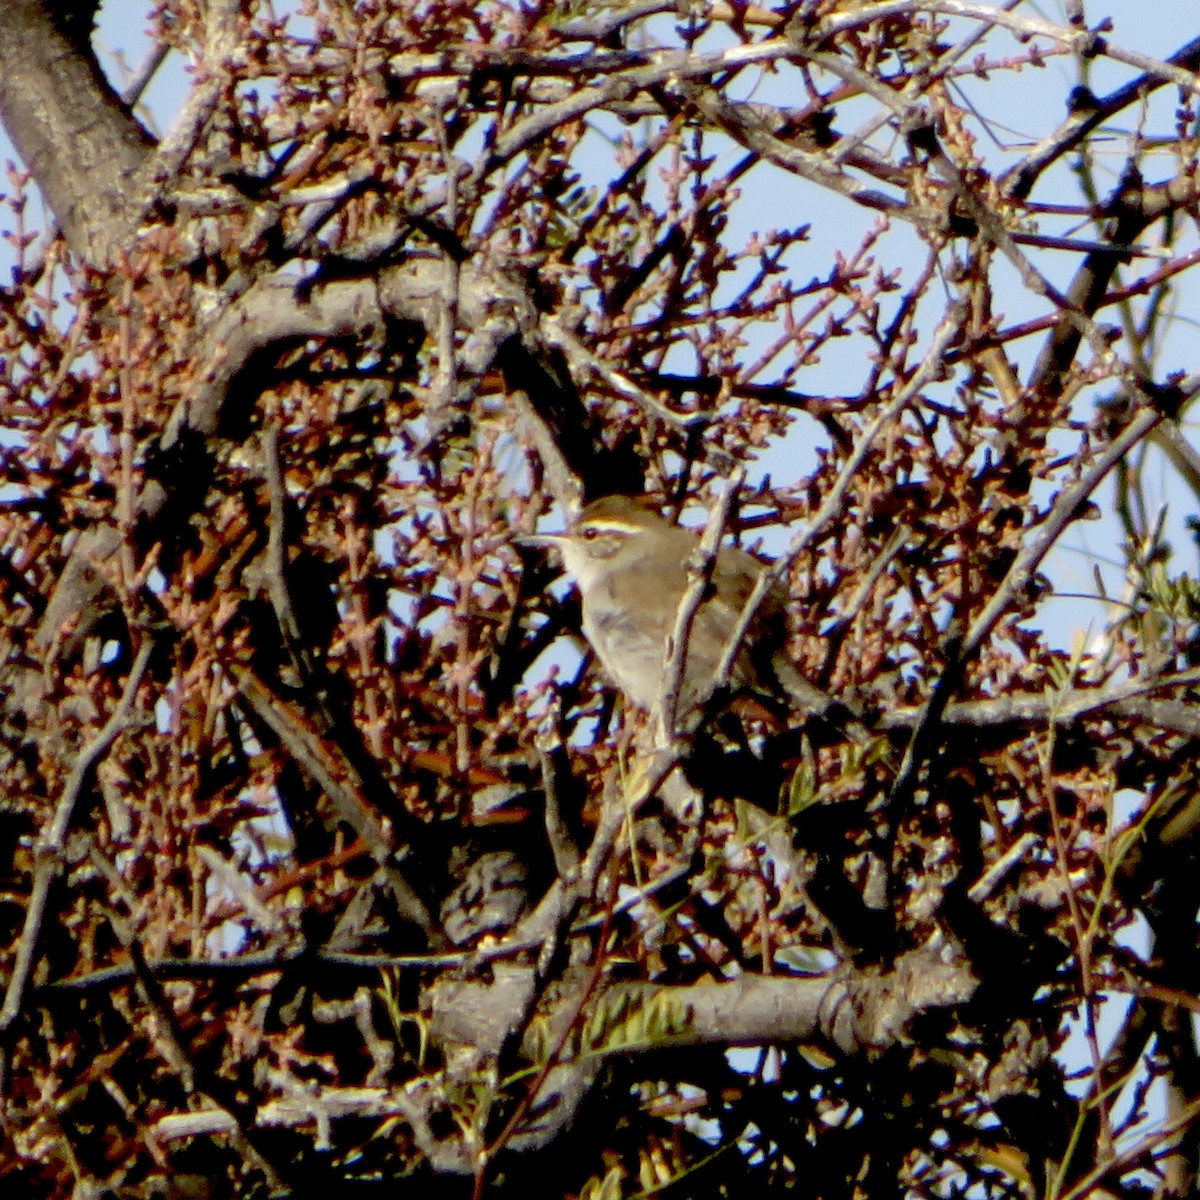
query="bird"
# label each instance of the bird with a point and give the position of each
(632, 567)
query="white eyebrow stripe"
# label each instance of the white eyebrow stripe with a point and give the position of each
(603, 525)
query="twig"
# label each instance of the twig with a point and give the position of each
(862, 593)
(279, 592)
(1075, 39)
(171, 1046)
(562, 844)
(833, 504)
(131, 93)
(444, 385)
(699, 572)
(1125, 1158)
(664, 66)
(557, 335)
(983, 887)
(215, 78)
(1038, 709)
(49, 851)
(271, 962)
(1019, 179)
(554, 913)
(324, 763)
(1065, 510)
(276, 555)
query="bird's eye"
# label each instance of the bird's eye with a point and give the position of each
(590, 534)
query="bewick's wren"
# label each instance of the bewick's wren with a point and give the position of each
(631, 566)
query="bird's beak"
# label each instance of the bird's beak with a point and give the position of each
(540, 541)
